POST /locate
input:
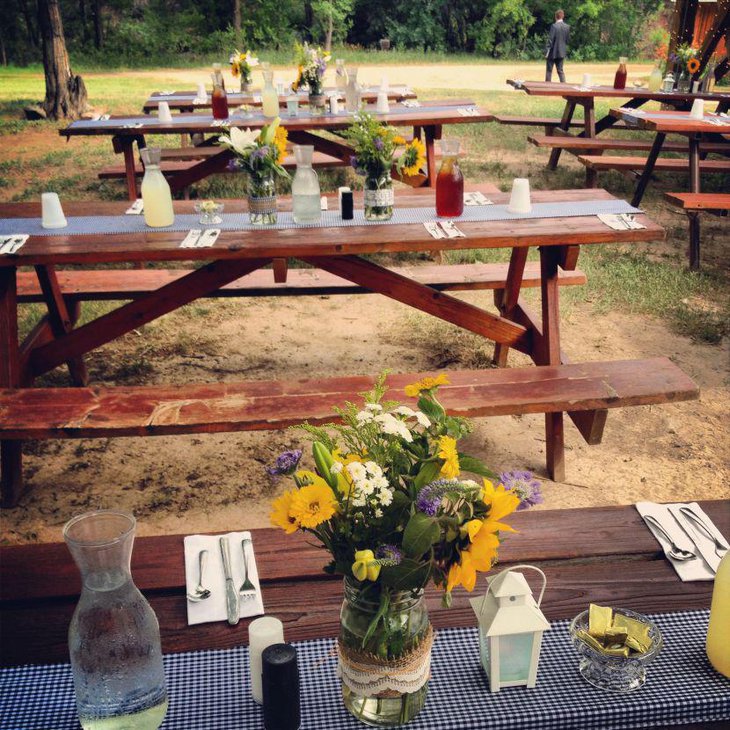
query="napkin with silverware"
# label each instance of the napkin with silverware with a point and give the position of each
(620, 221)
(213, 608)
(686, 536)
(12, 243)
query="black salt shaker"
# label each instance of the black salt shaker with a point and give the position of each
(348, 206)
(281, 687)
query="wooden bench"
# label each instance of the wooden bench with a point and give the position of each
(597, 163)
(549, 123)
(600, 144)
(116, 284)
(692, 204)
(102, 412)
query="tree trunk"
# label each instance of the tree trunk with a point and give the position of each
(29, 27)
(3, 54)
(65, 93)
(98, 26)
(237, 22)
(328, 37)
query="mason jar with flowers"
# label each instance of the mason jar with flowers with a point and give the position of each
(390, 502)
(260, 155)
(242, 65)
(375, 145)
(689, 65)
(311, 66)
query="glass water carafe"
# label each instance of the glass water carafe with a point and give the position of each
(269, 97)
(156, 195)
(114, 637)
(449, 181)
(352, 92)
(305, 187)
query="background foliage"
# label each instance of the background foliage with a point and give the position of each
(116, 33)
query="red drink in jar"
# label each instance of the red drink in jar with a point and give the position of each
(619, 80)
(219, 98)
(450, 182)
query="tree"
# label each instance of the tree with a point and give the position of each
(65, 92)
(334, 19)
(237, 21)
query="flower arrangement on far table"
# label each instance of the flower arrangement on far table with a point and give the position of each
(375, 145)
(260, 155)
(390, 503)
(311, 66)
(242, 65)
(686, 56)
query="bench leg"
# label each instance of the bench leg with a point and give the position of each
(555, 446)
(508, 298)
(591, 177)
(694, 241)
(641, 186)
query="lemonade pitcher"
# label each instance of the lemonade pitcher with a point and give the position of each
(156, 195)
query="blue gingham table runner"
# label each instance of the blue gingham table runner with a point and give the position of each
(210, 690)
(78, 226)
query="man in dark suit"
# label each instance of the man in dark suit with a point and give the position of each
(557, 47)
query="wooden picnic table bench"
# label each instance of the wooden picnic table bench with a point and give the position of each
(583, 393)
(426, 120)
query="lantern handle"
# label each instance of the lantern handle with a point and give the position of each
(507, 570)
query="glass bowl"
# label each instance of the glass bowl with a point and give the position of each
(210, 212)
(614, 674)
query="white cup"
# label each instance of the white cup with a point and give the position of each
(51, 212)
(381, 105)
(163, 113)
(519, 201)
(280, 88)
(202, 93)
(340, 190)
(698, 109)
(587, 80)
(334, 104)
(292, 105)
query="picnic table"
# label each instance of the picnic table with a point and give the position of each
(576, 95)
(183, 101)
(427, 120)
(604, 555)
(560, 223)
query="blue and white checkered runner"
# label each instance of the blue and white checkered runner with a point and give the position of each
(91, 225)
(210, 690)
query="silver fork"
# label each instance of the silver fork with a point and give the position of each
(247, 589)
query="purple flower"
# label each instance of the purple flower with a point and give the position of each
(378, 144)
(286, 463)
(260, 152)
(429, 498)
(389, 555)
(524, 485)
(353, 162)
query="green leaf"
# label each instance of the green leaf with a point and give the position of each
(407, 576)
(421, 532)
(474, 466)
(431, 408)
(429, 471)
(382, 611)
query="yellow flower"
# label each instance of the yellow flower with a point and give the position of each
(501, 502)
(414, 157)
(448, 452)
(413, 390)
(280, 142)
(399, 140)
(313, 504)
(234, 70)
(693, 65)
(365, 565)
(280, 513)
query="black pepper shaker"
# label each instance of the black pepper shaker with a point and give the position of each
(348, 206)
(281, 687)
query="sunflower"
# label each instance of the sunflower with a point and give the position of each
(448, 452)
(280, 514)
(280, 143)
(314, 504)
(413, 390)
(693, 65)
(413, 158)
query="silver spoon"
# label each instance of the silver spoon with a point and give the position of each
(200, 593)
(247, 586)
(720, 548)
(675, 552)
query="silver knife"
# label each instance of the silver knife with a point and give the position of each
(231, 592)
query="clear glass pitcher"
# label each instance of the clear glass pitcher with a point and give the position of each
(352, 91)
(269, 97)
(305, 187)
(114, 637)
(449, 181)
(156, 195)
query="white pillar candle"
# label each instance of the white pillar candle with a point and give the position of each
(262, 632)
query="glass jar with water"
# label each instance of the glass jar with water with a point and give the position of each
(114, 637)
(156, 195)
(305, 187)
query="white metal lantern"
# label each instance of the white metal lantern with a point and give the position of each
(511, 626)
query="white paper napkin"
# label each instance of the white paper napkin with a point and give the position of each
(12, 243)
(214, 607)
(619, 222)
(705, 546)
(687, 570)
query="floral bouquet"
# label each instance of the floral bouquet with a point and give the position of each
(311, 65)
(375, 145)
(687, 55)
(390, 503)
(242, 64)
(260, 155)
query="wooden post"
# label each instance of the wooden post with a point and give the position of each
(564, 125)
(656, 148)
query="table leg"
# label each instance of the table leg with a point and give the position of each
(550, 355)
(565, 126)
(589, 118)
(508, 298)
(641, 186)
(694, 240)
(130, 170)
(694, 163)
(431, 133)
(11, 451)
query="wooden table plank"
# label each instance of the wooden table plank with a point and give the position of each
(669, 123)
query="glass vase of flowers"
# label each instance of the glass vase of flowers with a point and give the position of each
(375, 145)
(686, 57)
(311, 65)
(242, 65)
(391, 504)
(260, 155)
